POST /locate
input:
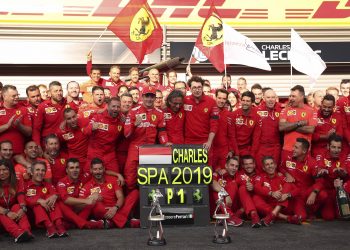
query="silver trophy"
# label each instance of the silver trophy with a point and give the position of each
(220, 219)
(156, 237)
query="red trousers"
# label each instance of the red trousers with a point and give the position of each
(265, 205)
(219, 157)
(267, 150)
(246, 200)
(299, 206)
(121, 217)
(330, 210)
(80, 218)
(130, 170)
(122, 156)
(41, 215)
(232, 190)
(12, 227)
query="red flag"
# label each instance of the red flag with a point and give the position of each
(210, 39)
(138, 28)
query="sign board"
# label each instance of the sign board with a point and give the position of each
(183, 180)
(240, 13)
(277, 52)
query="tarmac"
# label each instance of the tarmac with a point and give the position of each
(316, 235)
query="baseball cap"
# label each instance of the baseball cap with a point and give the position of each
(149, 90)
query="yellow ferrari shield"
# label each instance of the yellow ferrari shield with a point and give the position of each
(44, 190)
(213, 31)
(109, 185)
(303, 114)
(180, 114)
(305, 168)
(334, 121)
(142, 25)
(251, 122)
(153, 117)
(18, 112)
(205, 110)
(63, 161)
(120, 128)
(277, 114)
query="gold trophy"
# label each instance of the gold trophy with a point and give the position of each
(220, 219)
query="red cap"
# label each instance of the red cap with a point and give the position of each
(149, 90)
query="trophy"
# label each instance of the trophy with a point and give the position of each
(220, 219)
(156, 217)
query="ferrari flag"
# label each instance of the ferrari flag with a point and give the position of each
(138, 28)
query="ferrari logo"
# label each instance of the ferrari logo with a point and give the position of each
(212, 32)
(63, 161)
(44, 190)
(153, 117)
(67, 106)
(180, 114)
(109, 185)
(251, 122)
(305, 168)
(205, 110)
(303, 114)
(18, 112)
(290, 164)
(142, 26)
(334, 121)
(337, 164)
(120, 128)
(277, 114)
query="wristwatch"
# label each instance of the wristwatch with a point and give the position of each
(24, 208)
(289, 195)
(298, 124)
(6, 211)
(117, 207)
(315, 191)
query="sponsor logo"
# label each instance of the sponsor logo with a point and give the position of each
(263, 113)
(303, 114)
(291, 112)
(103, 126)
(205, 110)
(187, 107)
(3, 112)
(291, 165)
(95, 190)
(44, 190)
(31, 192)
(109, 185)
(50, 110)
(154, 118)
(68, 136)
(70, 190)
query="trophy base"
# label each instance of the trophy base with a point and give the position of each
(156, 242)
(222, 240)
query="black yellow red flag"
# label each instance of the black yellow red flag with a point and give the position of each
(138, 28)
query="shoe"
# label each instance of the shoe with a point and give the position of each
(51, 232)
(23, 237)
(255, 220)
(61, 231)
(295, 219)
(92, 224)
(135, 223)
(107, 224)
(268, 220)
(234, 221)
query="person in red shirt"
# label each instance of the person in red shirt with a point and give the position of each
(344, 109)
(174, 116)
(103, 131)
(171, 75)
(123, 143)
(31, 154)
(73, 91)
(335, 167)
(297, 120)
(301, 170)
(224, 144)
(74, 208)
(142, 126)
(135, 92)
(181, 85)
(246, 123)
(33, 101)
(15, 123)
(328, 123)
(134, 77)
(13, 208)
(112, 205)
(271, 194)
(56, 157)
(268, 134)
(226, 180)
(153, 81)
(6, 150)
(50, 114)
(98, 105)
(41, 198)
(257, 90)
(246, 179)
(71, 134)
(202, 116)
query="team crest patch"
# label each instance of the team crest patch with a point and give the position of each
(205, 110)
(290, 164)
(63, 161)
(291, 112)
(327, 163)
(305, 168)
(70, 190)
(263, 113)
(337, 165)
(334, 121)
(222, 182)
(187, 107)
(95, 190)
(303, 114)
(142, 25)
(86, 114)
(109, 185)
(277, 114)
(120, 128)
(251, 122)
(44, 190)
(18, 112)
(347, 109)
(153, 117)
(31, 192)
(31, 110)
(180, 115)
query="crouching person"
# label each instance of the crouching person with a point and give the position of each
(111, 205)
(74, 209)
(41, 198)
(12, 205)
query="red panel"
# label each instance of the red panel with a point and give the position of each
(329, 10)
(175, 3)
(181, 13)
(108, 8)
(158, 12)
(217, 2)
(224, 13)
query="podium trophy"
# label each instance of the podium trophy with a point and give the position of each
(220, 219)
(156, 217)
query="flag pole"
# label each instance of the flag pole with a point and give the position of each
(225, 75)
(93, 45)
(291, 76)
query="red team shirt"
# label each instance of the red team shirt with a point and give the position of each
(68, 188)
(175, 125)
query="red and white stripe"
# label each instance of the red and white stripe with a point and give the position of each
(155, 155)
